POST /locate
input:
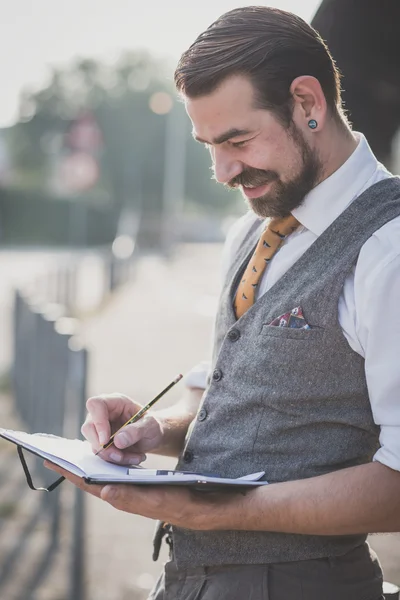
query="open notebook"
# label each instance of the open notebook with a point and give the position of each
(77, 457)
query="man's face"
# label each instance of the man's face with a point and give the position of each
(274, 166)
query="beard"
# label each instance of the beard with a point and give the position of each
(283, 197)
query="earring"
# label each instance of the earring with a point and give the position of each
(312, 124)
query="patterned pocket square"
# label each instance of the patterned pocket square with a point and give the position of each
(293, 319)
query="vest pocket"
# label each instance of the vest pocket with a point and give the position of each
(290, 333)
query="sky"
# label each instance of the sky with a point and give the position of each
(36, 34)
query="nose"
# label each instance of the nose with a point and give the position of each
(225, 167)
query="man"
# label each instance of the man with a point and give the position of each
(304, 379)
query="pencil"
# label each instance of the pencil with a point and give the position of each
(140, 413)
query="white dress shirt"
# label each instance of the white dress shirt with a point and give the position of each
(369, 311)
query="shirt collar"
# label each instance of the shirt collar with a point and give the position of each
(332, 196)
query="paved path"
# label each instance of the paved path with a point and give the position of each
(158, 326)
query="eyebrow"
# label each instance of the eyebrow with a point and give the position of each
(224, 137)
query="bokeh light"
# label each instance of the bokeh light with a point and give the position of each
(160, 103)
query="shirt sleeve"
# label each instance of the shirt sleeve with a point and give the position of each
(197, 376)
(377, 301)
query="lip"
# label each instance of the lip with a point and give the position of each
(256, 192)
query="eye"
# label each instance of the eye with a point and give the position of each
(239, 144)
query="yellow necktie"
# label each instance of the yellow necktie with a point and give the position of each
(269, 242)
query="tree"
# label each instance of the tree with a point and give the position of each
(119, 97)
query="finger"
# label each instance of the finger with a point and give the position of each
(160, 502)
(120, 407)
(111, 454)
(70, 476)
(129, 498)
(114, 455)
(93, 489)
(99, 416)
(89, 432)
(132, 434)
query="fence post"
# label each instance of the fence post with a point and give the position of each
(77, 384)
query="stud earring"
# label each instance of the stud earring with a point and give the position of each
(312, 124)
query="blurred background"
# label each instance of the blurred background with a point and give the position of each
(111, 233)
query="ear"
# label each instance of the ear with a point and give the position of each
(309, 101)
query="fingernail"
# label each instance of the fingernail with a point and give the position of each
(123, 440)
(103, 439)
(110, 492)
(115, 457)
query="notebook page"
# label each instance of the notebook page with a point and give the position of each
(77, 457)
(74, 455)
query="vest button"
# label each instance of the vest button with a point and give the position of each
(202, 414)
(217, 375)
(188, 456)
(234, 335)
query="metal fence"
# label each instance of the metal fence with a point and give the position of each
(43, 548)
(49, 381)
(82, 281)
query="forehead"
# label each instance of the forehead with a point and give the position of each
(231, 105)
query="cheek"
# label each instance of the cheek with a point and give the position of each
(289, 161)
(276, 157)
(259, 158)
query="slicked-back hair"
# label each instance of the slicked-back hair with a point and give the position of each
(271, 47)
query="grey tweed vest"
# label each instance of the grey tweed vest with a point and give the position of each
(290, 402)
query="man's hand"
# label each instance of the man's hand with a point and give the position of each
(361, 499)
(106, 414)
(161, 432)
(177, 505)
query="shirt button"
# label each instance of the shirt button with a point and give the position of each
(202, 414)
(188, 456)
(217, 375)
(234, 335)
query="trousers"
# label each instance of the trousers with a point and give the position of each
(355, 576)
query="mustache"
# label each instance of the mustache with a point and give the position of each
(252, 177)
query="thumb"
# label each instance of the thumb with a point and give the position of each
(109, 493)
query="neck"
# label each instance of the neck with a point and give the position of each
(337, 145)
